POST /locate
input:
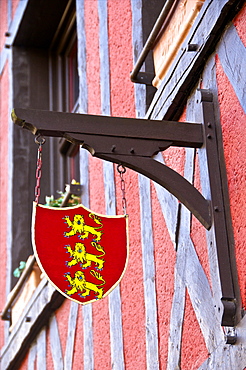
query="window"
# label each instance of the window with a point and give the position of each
(73, 77)
(64, 86)
(44, 77)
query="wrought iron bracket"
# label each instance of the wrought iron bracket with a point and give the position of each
(133, 143)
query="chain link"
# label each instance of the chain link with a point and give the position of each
(121, 169)
(40, 141)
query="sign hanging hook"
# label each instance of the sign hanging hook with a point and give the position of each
(39, 140)
(122, 170)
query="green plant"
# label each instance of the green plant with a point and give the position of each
(18, 271)
(51, 202)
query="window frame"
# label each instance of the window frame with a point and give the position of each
(33, 85)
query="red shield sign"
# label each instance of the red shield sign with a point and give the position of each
(82, 253)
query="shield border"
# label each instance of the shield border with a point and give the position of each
(35, 205)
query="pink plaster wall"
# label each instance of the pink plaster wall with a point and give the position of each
(122, 101)
(120, 53)
(240, 24)
(165, 256)
(4, 21)
(14, 6)
(194, 351)
(122, 104)
(92, 57)
(49, 359)
(233, 122)
(62, 316)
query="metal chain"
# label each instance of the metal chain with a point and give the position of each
(40, 141)
(121, 169)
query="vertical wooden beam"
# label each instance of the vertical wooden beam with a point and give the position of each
(232, 52)
(88, 351)
(114, 299)
(55, 344)
(72, 323)
(150, 301)
(41, 350)
(32, 356)
(176, 323)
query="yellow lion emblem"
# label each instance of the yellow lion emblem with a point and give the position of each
(80, 255)
(79, 284)
(78, 226)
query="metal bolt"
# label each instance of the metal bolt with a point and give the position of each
(209, 124)
(113, 148)
(216, 208)
(230, 335)
(132, 150)
(209, 136)
(192, 47)
(230, 339)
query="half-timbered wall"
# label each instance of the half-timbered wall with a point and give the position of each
(166, 313)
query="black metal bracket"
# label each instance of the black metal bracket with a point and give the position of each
(133, 143)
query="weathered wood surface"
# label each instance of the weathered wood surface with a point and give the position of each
(44, 301)
(182, 77)
(41, 350)
(88, 349)
(72, 324)
(83, 91)
(224, 356)
(13, 29)
(37, 353)
(114, 299)
(32, 356)
(232, 54)
(193, 275)
(227, 357)
(104, 57)
(176, 323)
(189, 273)
(151, 323)
(178, 303)
(150, 301)
(55, 344)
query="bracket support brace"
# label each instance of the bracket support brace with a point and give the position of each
(133, 143)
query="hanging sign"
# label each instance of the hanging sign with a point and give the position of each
(83, 254)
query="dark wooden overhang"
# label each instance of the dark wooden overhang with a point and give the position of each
(40, 22)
